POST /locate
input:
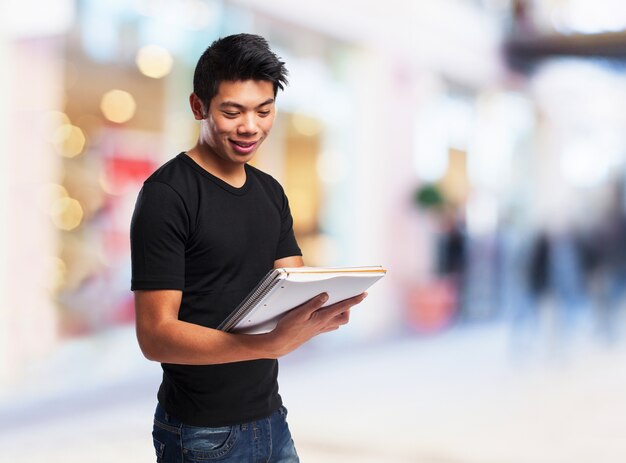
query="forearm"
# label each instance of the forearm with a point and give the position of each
(176, 341)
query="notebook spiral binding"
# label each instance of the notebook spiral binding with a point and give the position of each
(257, 295)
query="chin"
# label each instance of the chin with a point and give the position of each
(238, 159)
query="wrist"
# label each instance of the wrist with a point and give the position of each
(264, 345)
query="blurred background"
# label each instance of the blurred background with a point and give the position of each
(476, 148)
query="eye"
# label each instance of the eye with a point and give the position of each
(230, 115)
(264, 113)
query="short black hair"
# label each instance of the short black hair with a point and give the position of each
(237, 57)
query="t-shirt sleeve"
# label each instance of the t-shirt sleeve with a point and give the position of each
(287, 244)
(158, 232)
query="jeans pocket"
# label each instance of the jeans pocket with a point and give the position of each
(208, 443)
(159, 448)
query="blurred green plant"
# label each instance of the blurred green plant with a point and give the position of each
(429, 197)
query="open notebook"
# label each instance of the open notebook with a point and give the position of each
(283, 289)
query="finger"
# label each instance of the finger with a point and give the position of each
(342, 318)
(313, 304)
(350, 301)
(339, 320)
(342, 306)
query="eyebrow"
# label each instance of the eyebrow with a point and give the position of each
(240, 106)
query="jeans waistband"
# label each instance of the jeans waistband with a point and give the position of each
(165, 418)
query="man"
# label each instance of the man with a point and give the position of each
(206, 228)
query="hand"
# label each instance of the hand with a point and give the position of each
(310, 319)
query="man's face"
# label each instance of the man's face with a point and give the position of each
(239, 118)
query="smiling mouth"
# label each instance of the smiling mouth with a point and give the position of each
(242, 146)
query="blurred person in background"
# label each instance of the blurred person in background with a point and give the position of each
(453, 256)
(556, 290)
(605, 265)
(206, 228)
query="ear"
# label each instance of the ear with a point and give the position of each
(197, 107)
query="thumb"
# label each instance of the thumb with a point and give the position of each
(314, 304)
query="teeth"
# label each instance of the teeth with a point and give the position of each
(243, 145)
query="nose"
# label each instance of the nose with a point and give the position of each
(248, 125)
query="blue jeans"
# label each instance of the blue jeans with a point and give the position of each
(267, 440)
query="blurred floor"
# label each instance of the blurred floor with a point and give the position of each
(462, 397)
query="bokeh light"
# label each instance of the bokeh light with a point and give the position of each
(69, 140)
(118, 106)
(50, 193)
(66, 213)
(154, 61)
(52, 120)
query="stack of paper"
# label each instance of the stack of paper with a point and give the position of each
(286, 288)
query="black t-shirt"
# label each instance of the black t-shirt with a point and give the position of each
(193, 232)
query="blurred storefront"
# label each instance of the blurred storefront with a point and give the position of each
(399, 141)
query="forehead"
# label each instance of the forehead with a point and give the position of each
(244, 92)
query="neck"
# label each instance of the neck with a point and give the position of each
(203, 155)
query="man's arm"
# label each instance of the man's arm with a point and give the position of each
(164, 338)
(292, 261)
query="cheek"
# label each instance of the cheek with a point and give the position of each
(266, 124)
(224, 130)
